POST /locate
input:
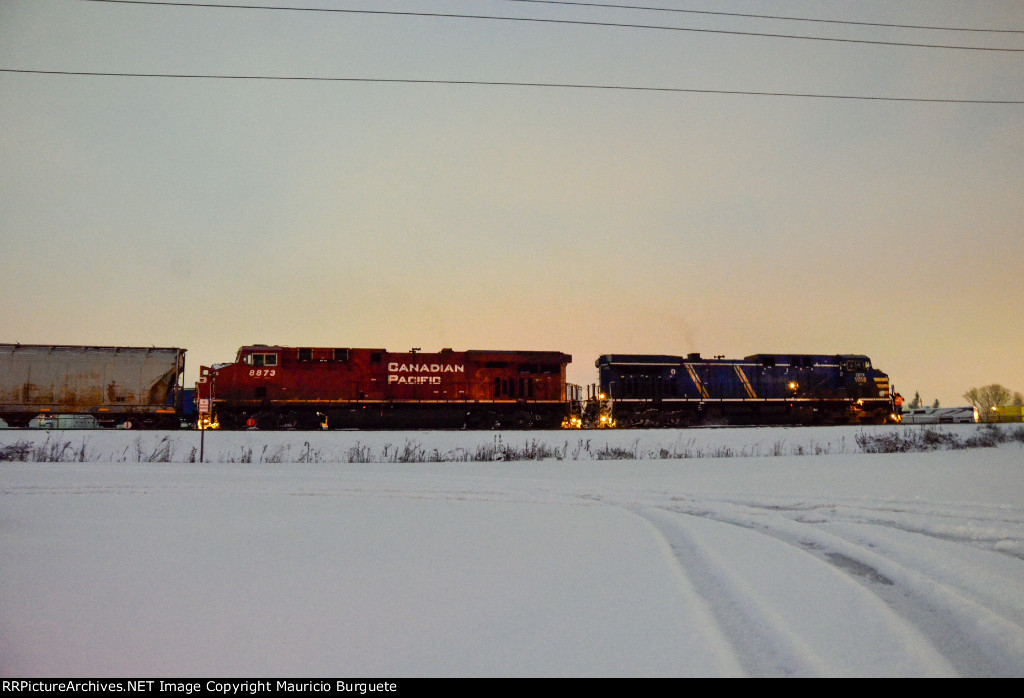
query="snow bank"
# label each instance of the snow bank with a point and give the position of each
(850, 563)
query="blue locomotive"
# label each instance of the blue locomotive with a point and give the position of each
(643, 390)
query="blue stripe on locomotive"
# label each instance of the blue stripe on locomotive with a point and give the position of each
(756, 377)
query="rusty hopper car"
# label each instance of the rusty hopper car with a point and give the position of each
(120, 386)
(272, 387)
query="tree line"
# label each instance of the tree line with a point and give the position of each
(984, 398)
(995, 395)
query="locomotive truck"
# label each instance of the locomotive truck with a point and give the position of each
(271, 387)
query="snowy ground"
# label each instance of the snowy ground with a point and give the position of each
(763, 552)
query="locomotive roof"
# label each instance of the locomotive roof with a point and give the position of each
(507, 352)
(669, 359)
(820, 357)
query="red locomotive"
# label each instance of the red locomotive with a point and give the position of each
(272, 387)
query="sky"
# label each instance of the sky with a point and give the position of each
(213, 213)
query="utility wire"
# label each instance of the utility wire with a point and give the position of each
(498, 83)
(617, 25)
(886, 25)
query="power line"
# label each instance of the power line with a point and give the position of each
(886, 25)
(576, 22)
(499, 83)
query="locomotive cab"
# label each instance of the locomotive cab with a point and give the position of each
(258, 357)
(868, 388)
(860, 380)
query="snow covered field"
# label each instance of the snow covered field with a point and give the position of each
(762, 552)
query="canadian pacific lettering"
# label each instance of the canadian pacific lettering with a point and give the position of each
(395, 367)
(430, 374)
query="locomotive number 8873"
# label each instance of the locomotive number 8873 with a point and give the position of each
(272, 387)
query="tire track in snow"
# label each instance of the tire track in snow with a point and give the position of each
(984, 573)
(994, 528)
(762, 644)
(777, 634)
(978, 642)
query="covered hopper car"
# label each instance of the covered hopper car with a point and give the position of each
(271, 387)
(119, 386)
(642, 390)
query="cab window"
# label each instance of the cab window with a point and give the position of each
(262, 359)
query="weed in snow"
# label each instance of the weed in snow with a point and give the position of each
(142, 450)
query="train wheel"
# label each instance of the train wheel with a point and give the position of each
(307, 421)
(226, 420)
(267, 420)
(168, 423)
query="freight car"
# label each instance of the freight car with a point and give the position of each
(129, 387)
(653, 390)
(939, 415)
(271, 387)
(1004, 413)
